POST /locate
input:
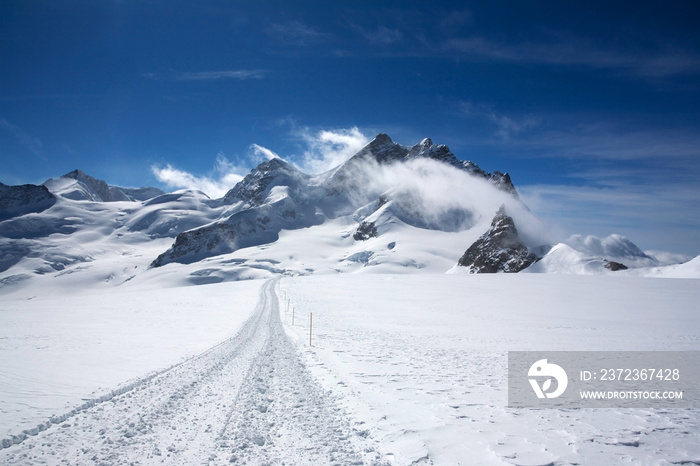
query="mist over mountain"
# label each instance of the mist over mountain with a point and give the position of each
(387, 209)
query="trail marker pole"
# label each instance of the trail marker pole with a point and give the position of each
(311, 323)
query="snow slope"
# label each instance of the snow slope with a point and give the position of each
(690, 269)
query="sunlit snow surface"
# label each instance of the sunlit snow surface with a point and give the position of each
(58, 351)
(418, 361)
(423, 361)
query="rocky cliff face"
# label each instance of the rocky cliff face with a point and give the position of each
(499, 249)
(24, 199)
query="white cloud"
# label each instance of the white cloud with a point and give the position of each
(327, 149)
(668, 258)
(263, 153)
(225, 177)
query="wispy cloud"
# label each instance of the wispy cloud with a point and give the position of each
(506, 126)
(296, 33)
(322, 149)
(380, 36)
(33, 144)
(220, 75)
(263, 153)
(615, 141)
(224, 177)
(578, 51)
(326, 149)
(239, 75)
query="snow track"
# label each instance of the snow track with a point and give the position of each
(248, 400)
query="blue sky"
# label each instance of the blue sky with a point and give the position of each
(592, 107)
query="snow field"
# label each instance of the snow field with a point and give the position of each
(422, 360)
(247, 400)
(404, 369)
(60, 352)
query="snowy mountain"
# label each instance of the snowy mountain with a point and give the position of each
(614, 248)
(590, 255)
(78, 185)
(383, 177)
(388, 209)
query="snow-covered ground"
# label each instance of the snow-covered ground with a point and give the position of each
(404, 369)
(58, 352)
(422, 359)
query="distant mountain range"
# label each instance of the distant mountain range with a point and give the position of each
(388, 209)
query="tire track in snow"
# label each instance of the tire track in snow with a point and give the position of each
(248, 400)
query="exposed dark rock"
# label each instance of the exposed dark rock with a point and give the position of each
(614, 266)
(499, 249)
(365, 231)
(24, 199)
(503, 182)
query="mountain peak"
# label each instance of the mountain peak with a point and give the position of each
(80, 186)
(77, 175)
(275, 163)
(499, 249)
(380, 139)
(254, 187)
